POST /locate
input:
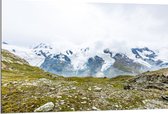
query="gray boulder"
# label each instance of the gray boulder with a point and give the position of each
(45, 108)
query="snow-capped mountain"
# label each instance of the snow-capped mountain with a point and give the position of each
(42, 50)
(88, 62)
(148, 56)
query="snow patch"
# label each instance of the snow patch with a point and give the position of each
(25, 53)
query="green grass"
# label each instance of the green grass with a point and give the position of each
(18, 98)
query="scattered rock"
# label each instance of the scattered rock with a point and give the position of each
(89, 88)
(52, 89)
(61, 102)
(69, 96)
(127, 87)
(145, 101)
(45, 108)
(149, 80)
(97, 89)
(6, 84)
(94, 108)
(116, 106)
(84, 102)
(59, 97)
(45, 81)
(84, 98)
(66, 89)
(165, 98)
(73, 109)
(155, 104)
(73, 88)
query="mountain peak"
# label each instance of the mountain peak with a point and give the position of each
(42, 49)
(43, 45)
(107, 51)
(143, 53)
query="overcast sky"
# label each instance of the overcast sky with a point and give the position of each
(29, 22)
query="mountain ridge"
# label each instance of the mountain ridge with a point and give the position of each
(81, 62)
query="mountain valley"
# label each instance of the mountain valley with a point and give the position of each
(27, 88)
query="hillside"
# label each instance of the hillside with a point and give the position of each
(27, 89)
(154, 79)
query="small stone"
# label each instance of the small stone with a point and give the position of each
(84, 102)
(66, 89)
(62, 102)
(69, 96)
(73, 88)
(59, 97)
(73, 109)
(14, 82)
(164, 98)
(5, 84)
(45, 108)
(52, 89)
(116, 106)
(144, 101)
(89, 88)
(97, 89)
(84, 98)
(102, 97)
(94, 108)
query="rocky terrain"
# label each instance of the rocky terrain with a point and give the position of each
(29, 89)
(154, 79)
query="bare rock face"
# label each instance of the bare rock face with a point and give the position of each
(45, 108)
(150, 80)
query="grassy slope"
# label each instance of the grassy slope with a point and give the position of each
(25, 88)
(160, 72)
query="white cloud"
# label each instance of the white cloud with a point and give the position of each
(27, 22)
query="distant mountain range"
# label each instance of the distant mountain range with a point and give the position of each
(86, 62)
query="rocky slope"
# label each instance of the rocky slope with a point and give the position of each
(29, 89)
(154, 79)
